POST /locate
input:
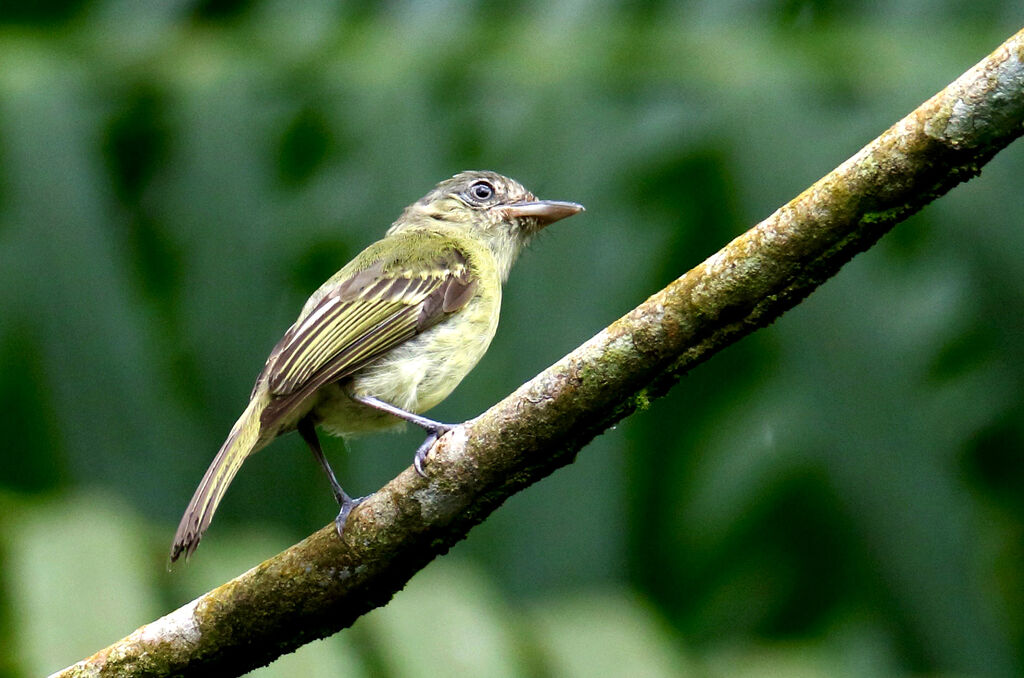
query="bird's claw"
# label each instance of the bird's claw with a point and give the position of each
(346, 508)
(424, 449)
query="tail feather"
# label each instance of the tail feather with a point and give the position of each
(242, 442)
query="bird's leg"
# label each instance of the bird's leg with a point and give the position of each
(307, 429)
(434, 429)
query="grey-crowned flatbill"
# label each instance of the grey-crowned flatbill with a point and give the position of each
(387, 337)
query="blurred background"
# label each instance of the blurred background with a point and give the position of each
(841, 494)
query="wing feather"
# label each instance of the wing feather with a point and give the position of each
(362, 317)
(313, 344)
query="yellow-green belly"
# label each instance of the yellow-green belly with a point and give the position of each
(415, 376)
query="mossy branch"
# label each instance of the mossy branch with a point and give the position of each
(323, 584)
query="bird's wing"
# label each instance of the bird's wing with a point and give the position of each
(361, 318)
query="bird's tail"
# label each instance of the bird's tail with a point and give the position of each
(243, 440)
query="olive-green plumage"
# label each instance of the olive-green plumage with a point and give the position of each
(388, 336)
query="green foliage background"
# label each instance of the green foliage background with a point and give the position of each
(838, 495)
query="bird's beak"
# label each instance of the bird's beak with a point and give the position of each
(544, 211)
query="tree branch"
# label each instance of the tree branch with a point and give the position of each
(324, 584)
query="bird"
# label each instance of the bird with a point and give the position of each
(387, 337)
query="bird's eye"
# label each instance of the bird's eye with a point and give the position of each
(481, 191)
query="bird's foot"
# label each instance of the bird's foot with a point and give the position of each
(346, 508)
(434, 429)
(433, 433)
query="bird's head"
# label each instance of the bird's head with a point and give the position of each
(493, 207)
